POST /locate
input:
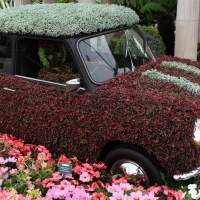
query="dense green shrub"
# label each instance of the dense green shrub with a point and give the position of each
(154, 40)
(132, 108)
(198, 52)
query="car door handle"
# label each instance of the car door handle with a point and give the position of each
(9, 89)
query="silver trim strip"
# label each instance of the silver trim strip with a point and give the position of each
(38, 80)
(180, 177)
(9, 89)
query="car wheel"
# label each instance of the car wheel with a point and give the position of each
(131, 162)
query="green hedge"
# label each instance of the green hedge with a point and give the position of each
(154, 40)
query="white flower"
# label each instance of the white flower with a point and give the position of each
(194, 193)
(192, 186)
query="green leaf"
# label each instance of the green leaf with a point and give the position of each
(152, 6)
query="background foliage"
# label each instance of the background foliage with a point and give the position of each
(154, 40)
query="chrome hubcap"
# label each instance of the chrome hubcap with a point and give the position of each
(130, 168)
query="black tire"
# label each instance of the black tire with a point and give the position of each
(135, 160)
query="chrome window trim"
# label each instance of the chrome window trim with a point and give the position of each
(40, 81)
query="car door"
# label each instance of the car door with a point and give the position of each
(33, 98)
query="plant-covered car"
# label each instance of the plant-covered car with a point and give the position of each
(70, 80)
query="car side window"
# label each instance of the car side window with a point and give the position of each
(5, 55)
(46, 60)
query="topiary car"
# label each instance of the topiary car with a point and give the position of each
(70, 81)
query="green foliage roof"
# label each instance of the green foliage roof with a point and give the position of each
(64, 19)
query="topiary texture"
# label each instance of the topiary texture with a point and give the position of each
(156, 114)
(64, 19)
(154, 40)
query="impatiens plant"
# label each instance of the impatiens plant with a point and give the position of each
(29, 172)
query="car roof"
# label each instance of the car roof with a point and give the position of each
(64, 19)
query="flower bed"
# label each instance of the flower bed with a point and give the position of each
(29, 171)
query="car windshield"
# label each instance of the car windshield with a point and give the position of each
(108, 55)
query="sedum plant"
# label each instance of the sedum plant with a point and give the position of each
(65, 19)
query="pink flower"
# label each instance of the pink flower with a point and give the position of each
(70, 189)
(64, 159)
(154, 189)
(84, 177)
(77, 169)
(118, 196)
(40, 148)
(56, 176)
(98, 196)
(137, 195)
(96, 174)
(152, 196)
(94, 185)
(113, 188)
(69, 176)
(57, 193)
(99, 165)
(13, 171)
(81, 194)
(75, 182)
(2, 161)
(14, 152)
(125, 186)
(11, 159)
(178, 195)
(87, 167)
(3, 170)
(64, 183)
(18, 144)
(38, 180)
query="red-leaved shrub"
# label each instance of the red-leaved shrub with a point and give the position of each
(158, 116)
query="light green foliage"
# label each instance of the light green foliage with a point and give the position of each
(180, 82)
(154, 40)
(65, 1)
(42, 57)
(64, 19)
(188, 68)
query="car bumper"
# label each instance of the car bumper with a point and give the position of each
(180, 177)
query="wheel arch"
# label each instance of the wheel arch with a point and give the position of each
(112, 145)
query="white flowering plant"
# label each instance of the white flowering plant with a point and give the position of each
(64, 19)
